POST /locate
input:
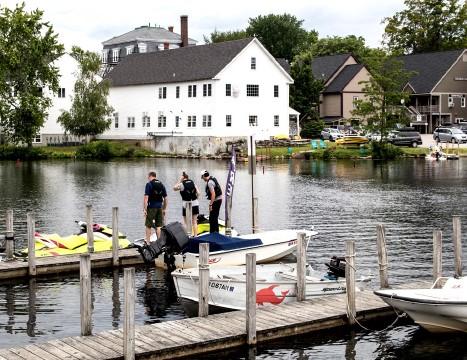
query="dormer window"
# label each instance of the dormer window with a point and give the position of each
(115, 55)
(129, 49)
(105, 54)
(253, 63)
(142, 47)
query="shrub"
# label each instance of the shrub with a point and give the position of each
(312, 129)
(99, 150)
(10, 152)
(384, 151)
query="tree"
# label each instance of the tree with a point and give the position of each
(28, 49)
(382, 105)
(305, 92)
(221, 36)
(283, 35)
(427, 25)
(89, 113)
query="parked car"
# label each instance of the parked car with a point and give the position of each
(463, 127)
(404, 137)
(331, 134)
(449, 134)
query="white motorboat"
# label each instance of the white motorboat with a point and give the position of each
(275, 284)
(268, 246)
(437, 310)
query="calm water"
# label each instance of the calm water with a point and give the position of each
(343, 200)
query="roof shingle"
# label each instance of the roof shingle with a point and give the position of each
(430, 68)
(343, 78)
(178, 65)
(324, 67)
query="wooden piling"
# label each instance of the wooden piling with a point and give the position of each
(31, 245)
(255, 215)
(203, 302)
(129, 319)
(89, 228)
(9, 235)
(437, 256)
(301, 266)
(251, 298)
(382, 256)
(85, 294)
(115, 239)
(189, 218)
(457, 238)
(350, 281)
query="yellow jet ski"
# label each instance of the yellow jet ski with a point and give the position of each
(55, 245)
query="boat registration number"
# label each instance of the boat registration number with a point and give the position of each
(221, 286)
(292, 242)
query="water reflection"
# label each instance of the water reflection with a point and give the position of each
(40, 309)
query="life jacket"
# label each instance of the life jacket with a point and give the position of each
(157, 191)
(217, 188)
(189, 190)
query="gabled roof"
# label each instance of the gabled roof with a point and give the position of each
(178, 65)
(284, 63)
(146, 33)
(343, 78)
(324, 67)
(430, 68)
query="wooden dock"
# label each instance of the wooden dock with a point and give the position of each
(194, 336)
(67, 263)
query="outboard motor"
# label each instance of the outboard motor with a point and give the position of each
(336, 266)
(173, 240)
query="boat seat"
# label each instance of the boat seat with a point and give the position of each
(291, 276)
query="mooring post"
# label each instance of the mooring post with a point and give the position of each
(203, 301)
(89, 228)
(382, 256)
(85, 294)
(189, 218)
(301, 266)
(350, 281)
(437, 256)
(31, 244)
(251, 298)
(255, 215)
(457, 238)
(115, 237)
(9, 235)
(129, 319)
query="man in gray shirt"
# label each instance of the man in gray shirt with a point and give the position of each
(214, 195)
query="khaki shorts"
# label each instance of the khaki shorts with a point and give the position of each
(154, 218)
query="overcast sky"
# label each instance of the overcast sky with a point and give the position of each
(89, 22)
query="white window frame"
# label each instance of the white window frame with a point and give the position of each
(191, 121)
(228, 120)
(61, 93)
(253, 63)
(142, 48)
(163, 92)
(252, 90)
(207, 90)
(162, 121)
(177, 121)
(105, 56)
(146, 120)
(253, 120)
(116, 120)
(450, 101)
(276, 120)
(191, 91)
(207, 121)
(276, 91)
(228, 89)
(130, 49)
(115, 55)
(37, 139)
(463, 101)
(130, 122)
(354, 99)
(177, 92)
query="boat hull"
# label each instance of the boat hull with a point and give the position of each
(228, 292)
(274, 248)
(435, 317)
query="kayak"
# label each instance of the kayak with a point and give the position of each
(55, 245)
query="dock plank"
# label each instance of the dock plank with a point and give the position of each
(56, 351)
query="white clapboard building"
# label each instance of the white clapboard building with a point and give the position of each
(200, 96)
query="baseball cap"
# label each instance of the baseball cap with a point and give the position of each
(204, 173)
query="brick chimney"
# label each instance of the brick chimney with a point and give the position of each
(184, 30)
(171, 28)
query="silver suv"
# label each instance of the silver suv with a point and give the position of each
(448, 134)
(331, 134)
